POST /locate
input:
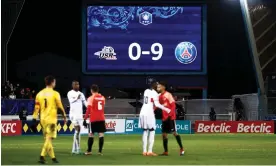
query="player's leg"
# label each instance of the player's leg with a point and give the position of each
(145, 141)
(101, 129)
(177, 137)
(165, 130)
(74, 146)
(152, 127)
(45, 146)
(101, 143)
(77, 139)
(77, 136)
(90, 140)
(52, 130)
(143, 125)
(50, 134)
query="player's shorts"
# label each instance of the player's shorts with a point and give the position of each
(147, 122)
(76, 121)
(97, 127)
(49, 130)
(168, 126)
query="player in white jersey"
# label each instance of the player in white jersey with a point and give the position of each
(76, 100)
(147, 119)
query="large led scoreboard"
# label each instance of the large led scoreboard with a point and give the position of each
(142, 41)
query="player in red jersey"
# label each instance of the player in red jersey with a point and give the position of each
(168, 119)
(95, 110)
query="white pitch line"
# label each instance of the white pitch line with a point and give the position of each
(58, 143)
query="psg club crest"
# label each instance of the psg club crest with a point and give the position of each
(145, 18)
(185, 52)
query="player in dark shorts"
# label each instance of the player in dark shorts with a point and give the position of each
(168, 119)
(95, 109)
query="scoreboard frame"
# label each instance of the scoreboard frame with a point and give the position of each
(84, 43)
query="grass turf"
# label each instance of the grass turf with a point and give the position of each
(126, 149)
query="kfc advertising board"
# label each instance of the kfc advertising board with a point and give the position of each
(234, 127)
(11, 128)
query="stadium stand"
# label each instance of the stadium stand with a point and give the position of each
(16, 91)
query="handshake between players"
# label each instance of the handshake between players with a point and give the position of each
(95, 112)
(147, 119)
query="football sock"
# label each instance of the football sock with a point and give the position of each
(79, 140)
(74, 147)
(51, 151)
(76, 138)
(178, 139)
(45, 148)
(165, 144)
(145, 140)
(90, 143)
(151, 140)
(101, 143)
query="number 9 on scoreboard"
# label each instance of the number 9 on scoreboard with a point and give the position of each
(156, 49)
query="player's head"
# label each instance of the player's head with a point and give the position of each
(161, 87)
(76, 85)
(50, 81)
(153, 85)
(95, 88)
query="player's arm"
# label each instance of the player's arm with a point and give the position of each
(71, 98)
(83, 100)
(89, 107)
(35, 113)
(36, 108)
(157, 104)
(88, 110)
(172, 102)
(59, 105)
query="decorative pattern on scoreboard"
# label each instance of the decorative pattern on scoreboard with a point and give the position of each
(119, 17)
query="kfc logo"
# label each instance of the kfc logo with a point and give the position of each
(11, 128)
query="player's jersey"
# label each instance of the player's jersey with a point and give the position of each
(76, 104)
(148, 106)
(48, 101)
(95, 108)
(167, 100)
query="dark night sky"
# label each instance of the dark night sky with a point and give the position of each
(55, 26)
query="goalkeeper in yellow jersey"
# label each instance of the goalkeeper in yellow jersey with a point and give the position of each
(47, 103)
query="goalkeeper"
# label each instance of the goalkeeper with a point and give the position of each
(47, 103)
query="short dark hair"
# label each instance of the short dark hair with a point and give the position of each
(75, 81)
(95, 88)
(49, 80)
(163, 83)
(153, 85)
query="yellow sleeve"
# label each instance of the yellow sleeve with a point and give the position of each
(59, 103)
(37, 107)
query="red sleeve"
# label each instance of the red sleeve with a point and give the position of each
(89, 107)
(87, 113)
(172, 106)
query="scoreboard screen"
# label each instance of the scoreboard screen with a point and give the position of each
(144, 40)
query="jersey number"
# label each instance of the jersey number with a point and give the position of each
(45, 103)
(100, 105)
(146, 100)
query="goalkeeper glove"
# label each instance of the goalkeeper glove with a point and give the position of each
(33, 126)
(84, 123)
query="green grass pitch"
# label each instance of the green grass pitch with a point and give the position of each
(126, 149)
